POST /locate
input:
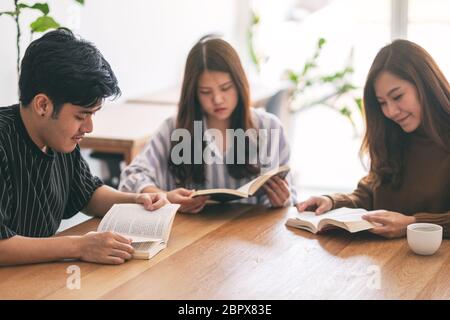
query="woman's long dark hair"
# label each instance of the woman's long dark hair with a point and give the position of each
(211, 55)
(384, 140)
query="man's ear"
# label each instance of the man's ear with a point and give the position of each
(42, 105)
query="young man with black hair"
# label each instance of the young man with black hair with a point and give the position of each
(43, 177)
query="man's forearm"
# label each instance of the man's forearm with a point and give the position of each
(22, 250)
(103, 199)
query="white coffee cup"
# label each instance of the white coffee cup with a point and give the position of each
(424, 238)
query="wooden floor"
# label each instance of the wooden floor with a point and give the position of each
(244, 252)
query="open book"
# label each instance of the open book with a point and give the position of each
(345, 218)
(148, 230)
(247, 190)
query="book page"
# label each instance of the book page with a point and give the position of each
(147, 250)
(213, 192)
(308, 216)
(349, 219)
(302, 224)
(139, 224)
(346, 216)
(252, 186)
(144, 246)
(246, 187)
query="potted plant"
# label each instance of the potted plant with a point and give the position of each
(334, 90)
(337, 91)
(43, 23)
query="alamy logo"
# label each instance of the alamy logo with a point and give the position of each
(374, 281)
(259, 149)
(74, 279)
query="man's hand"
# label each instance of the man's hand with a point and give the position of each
(104, 247)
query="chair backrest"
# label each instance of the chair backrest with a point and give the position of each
(278, 102)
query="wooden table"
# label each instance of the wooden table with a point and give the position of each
(125, 128)
(244, 252)
(259, 95)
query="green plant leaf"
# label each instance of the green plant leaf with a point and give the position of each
(255, 19)
(44, 23)
(9, 13)
(359, 104)
(345, 111)
(349, 70)
(338, 80)
(337, 75)
(253, 55)
(292, 76)
(347, 87)
(42, 7)
(321, 42)
(80, 2)
(308, 66)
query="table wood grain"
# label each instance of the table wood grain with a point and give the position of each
(237, 251)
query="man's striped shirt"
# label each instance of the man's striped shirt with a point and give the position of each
(37, 189)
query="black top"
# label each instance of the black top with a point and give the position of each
(37, 189)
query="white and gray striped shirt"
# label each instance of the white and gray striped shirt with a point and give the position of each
(150, 167)
(37, 189)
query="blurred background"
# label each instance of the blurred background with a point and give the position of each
(306, 61)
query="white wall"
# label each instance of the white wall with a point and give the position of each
(145, 41)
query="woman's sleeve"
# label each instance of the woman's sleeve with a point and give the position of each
(279, 154)
(362, 197)
(150, 166)
(442, 219)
